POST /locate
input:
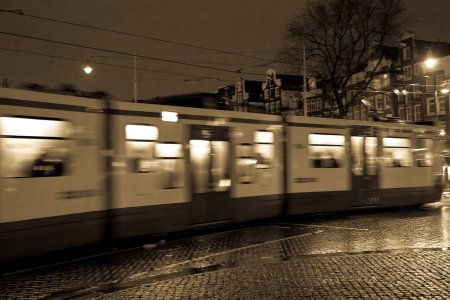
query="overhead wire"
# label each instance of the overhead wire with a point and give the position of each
(114, 65)
(125, 53)
(21, 13)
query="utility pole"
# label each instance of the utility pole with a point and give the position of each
(305, 97)
(135, 78)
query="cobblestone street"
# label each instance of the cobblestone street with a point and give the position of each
(391, 254)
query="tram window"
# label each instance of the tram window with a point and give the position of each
(397, 152)
(357, 151)
(246, 163)
(423, 153)
(35, 147)
(220, 180)
(170, 157)
(371, 152)
(210, 162)
(264, 149)
(326, 150)
(139, 142)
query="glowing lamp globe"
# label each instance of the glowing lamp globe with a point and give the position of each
(88, 69)
(430, 62)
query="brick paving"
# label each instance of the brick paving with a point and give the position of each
(402, 275)
(379, 255)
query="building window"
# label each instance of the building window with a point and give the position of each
(417, 69)
(409, 113)
(386, 80)
(363, 113)
(313, 105)
(431, 106)
(406, 53)
(439, 79)
(356, 112)
(401, 112)
(441, 107)
(429, 84)
(407, 72)
(372, 101)
(272, 93)
(379, 102)
(417, 112)
(319, 105)
(387, 102)
(376, 84)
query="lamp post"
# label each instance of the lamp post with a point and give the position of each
(396, 110)
(305, 93)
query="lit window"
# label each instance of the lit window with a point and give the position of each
(246, 163)
(139, 143)
(170, 165)
(326, 150)
(397, 152)
(35, 147)
(431, 106)
(423, 153)
(264, 149)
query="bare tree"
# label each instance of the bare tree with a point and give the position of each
(341, 37)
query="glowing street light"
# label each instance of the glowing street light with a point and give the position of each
(430, 62)
(88, 69)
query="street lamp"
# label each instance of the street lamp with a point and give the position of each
(88, 69)
(396, 110)
(430, 62)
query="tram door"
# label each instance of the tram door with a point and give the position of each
(209, 152)
(364, 170)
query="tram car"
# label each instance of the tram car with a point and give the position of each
(76, 171)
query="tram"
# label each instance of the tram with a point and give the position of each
(75, 171)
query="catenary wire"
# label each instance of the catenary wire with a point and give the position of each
(125, 53)
(21, 13)
(114, 65)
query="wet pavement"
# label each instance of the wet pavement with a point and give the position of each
(389, 254)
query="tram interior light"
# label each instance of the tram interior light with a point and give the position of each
(141, 132)
(264, 137)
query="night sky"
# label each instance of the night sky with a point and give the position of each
(252, 27)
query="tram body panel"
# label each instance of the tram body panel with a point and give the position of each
(406, 160)
(77, 142)
(52, 192)
(140, 168)
(127, 172)
(318, 172)
(304, 173)
(257, 180)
